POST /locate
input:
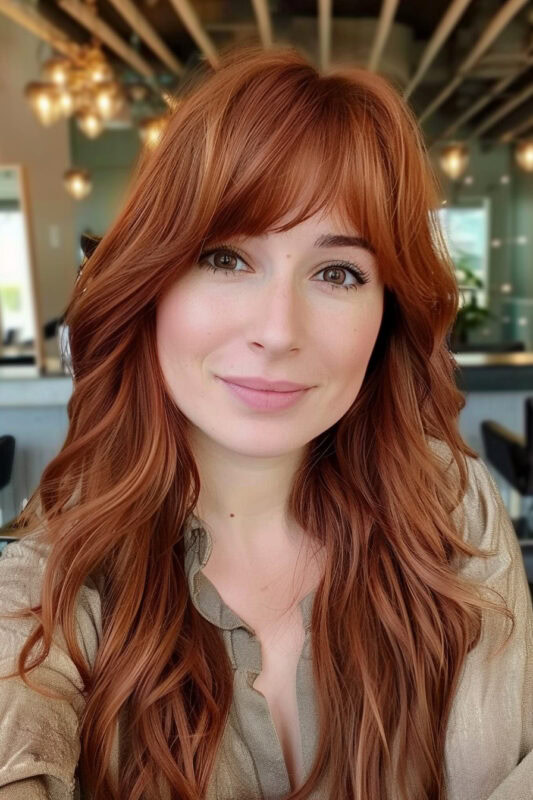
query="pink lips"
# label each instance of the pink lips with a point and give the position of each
(262, 383)
(263, 398)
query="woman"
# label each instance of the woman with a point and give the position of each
(243, 593)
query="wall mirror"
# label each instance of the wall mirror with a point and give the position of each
(21, 341)
(493, 316)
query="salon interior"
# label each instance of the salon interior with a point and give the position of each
(87, 85)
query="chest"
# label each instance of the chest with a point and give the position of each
(277, 683)
(281, 633)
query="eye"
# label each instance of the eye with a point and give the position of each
(224, 267)
(230, 252)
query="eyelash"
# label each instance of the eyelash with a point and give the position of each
(354, 270)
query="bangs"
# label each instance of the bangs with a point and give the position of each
(307, 151)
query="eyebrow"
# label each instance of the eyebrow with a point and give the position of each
(338, 240)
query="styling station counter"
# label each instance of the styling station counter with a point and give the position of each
(33, 409)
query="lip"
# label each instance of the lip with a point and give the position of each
(263, 385)
(265, 400)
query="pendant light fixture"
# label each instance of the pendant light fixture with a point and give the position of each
(77, 182)
(454, 160)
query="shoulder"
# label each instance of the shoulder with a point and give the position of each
(483, 521)
(40, 733)
(22, 565)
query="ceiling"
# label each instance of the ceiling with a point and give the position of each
(484, 57)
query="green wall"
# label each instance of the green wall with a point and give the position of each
(110, 158)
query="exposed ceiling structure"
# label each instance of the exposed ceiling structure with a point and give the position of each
(465, 66)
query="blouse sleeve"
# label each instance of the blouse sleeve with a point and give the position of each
(518, 784)
(26, 789)
(39, 736)
(490, 744)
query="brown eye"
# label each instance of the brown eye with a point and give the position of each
(342, 269)
(335, 270)
(223, 260)
(225, 256)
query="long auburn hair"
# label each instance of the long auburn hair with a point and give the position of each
(262, 137)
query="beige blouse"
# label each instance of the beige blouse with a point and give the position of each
(489, 742)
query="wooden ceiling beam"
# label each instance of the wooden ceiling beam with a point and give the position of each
(443, 30)
(27, 17)
(148, 34)
(502, 111)
(484, 100)
(264, 22)
(385, 20)
(190, 19)
(495, 26)
(324, 34)
(514, 133)
(92, 22)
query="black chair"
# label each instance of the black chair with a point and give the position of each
(512, 456)
(7, 456)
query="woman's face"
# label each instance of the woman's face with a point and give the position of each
(281, 313)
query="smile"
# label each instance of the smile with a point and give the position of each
(265, 400)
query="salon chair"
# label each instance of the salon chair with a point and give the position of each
(511, 456)
(7, 456)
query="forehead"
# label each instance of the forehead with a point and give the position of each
(320, 231)
(323, 222)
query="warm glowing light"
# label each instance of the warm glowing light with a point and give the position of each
(454, 160)
(66, 102)
(77, 182)
(524, 155)
(43, 100)
(82, 84)
(90, 123)
(151, 129)
(98, 69)
(57, 70)
(108, 99)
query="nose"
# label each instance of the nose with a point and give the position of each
(277, 318)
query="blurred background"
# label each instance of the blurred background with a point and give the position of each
(87, 85)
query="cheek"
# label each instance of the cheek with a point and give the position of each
(184, 325)
(346, 371)
(351, 348)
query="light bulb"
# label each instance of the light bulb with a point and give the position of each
(454, 160)
(66, 102)
(524, 155)
(108, 99)
(57, 70)
(90, 123)
(77, 182)
(44, 101)
(151, 129)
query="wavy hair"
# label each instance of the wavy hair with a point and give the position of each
(262, 137)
